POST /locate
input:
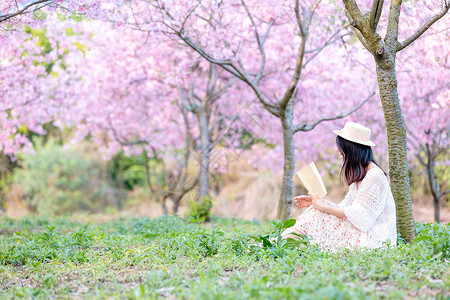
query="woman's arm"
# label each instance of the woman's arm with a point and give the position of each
(318, 204)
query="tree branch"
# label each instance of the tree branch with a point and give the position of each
(299, 64)
(305, 127)
(393, 19)
(444, 193)
(353, 9)
(229, 66)
(421, 30)
(3, 18)
(120, 140)
(260, 46)
(299, 18)
(375, 13)
(357, 32)
(29, 101)
(329, 42)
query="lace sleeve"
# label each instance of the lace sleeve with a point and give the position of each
(367, 205)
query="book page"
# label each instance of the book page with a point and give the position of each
(311, 179)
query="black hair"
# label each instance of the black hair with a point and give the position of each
(356, 159)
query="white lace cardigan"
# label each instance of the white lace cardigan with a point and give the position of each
(371, 209)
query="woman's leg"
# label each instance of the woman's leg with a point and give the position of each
(302, 224)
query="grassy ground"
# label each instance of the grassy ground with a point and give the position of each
(170, 257)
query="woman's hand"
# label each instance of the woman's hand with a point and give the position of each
(303, 201)
(316, 202)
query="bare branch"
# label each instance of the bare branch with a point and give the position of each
(330, 41)
(229, 66)
(298, 68)
(353, 9)
(421, 160)
(444, 193)
(357, 32)
(313, 9)
(222, 89)
(120, 140)
(305, 127)
(261, 50)
(18, 12)
(223, 132)
(421, 30)
(375, 13)
(299, 18)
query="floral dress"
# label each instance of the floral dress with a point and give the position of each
(370, 217)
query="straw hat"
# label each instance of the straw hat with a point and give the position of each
(356, 133)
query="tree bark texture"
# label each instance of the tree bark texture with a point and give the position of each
(203, 188)
(396, 132)
(285, 201)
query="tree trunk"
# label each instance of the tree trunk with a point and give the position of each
(176, 204)
(285, 201)
(164, 205)
(437, 209)
(203, 188)
(396, 132)
(434, 184)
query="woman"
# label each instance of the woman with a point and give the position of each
(366, 216)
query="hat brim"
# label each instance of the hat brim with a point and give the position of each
(343, 135)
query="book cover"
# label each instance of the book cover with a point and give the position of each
(311, 180)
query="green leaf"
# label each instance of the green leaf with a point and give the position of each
(70, 31)
(288, 223)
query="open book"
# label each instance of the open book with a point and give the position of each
(311, 179)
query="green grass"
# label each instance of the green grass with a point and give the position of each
(175, 258)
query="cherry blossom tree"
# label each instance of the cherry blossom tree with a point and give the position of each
(120, 103)
(197, 91)
(429, 144)
(200, 98)
(15, 13)
(148, 95)
(296, 59)
(266, 45)
(369, 26)
(33, 82)
(424, 84)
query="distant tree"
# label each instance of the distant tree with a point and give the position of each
(268, 46)
(424, 86)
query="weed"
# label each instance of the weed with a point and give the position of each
(170, 257)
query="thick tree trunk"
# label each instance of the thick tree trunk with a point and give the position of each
(203, 188)
(396, 132)
(285, 201)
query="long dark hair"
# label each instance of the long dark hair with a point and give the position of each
(356, 159)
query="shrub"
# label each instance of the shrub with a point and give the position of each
(60, 181)
(199, 211)
(127, 172)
